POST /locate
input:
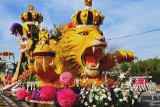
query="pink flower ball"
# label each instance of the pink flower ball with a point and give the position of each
(9, 82)
(66, 98)
(22, 93)
(9, 78)
(66, 78)
(47, 92)
(27, 72)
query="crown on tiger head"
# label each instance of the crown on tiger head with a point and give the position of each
(31, 16)
(88, 17)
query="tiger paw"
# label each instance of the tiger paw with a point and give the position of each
(124, 56)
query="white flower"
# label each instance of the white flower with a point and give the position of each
(120, 100)
(127, 90)
(90, 99)
(102, 85)
(96, 97)
(135, 96)
(82, 101)
(104, 95)
(116, 95)
(124, 98)
(85, 103)
(94, 84)
(124, 93)
(109, 94)
(97, 89)
(77, 82)
(132, 101)
(91, 90)
(94, 106)
(83, 96)
(103, 90)
(85, 73)
(85, 80)
(109, 98)
(87, 92)
(106, 104)
(117, 89)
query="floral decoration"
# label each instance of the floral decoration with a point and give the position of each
(66, 98)
(66, 78)
(22, 93)
(47, 92)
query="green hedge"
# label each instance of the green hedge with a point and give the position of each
(155, 76)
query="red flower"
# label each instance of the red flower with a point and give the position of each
(66, 78)
(66, 98)
(22, 93)
(47, 92)
(9, 78)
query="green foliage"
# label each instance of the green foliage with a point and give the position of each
(155, 76)
(32, 77)
(57, 32)
(24, 66)
(141, 68)
(124, 67)
(151, 65)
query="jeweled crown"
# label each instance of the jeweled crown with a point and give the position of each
(88, 16)
(31, 15)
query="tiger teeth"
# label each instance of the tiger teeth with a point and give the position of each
(44, 61)
(35, 62)
(93, 49)
(90, 65)
(97, 65)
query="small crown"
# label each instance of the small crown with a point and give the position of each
(88, 16)
(31, 15)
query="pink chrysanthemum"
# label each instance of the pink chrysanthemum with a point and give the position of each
(22, 93)
(66, 78)
(27, 72)
(66, 98)
(47, 92)
(9, 82)
(9, 78)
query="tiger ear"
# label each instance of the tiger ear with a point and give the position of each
(70, 25)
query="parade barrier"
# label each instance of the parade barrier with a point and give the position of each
(32, 85)
(9, 86)
(142, 85)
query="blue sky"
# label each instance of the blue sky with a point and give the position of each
(123, 17)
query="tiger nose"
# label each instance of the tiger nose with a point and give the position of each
(101, 39)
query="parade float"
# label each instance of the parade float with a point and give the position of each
(70, 64)
(7, 69)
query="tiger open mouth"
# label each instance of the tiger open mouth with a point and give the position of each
(92, 56)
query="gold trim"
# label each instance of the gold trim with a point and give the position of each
(87, 26)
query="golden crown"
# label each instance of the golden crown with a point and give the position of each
(88, 16)
(31, 15)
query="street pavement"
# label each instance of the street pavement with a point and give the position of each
(12, 102)
(146, 100)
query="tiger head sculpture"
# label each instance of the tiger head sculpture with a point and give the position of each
(79, 50)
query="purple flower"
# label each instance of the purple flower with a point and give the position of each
(35, 94)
